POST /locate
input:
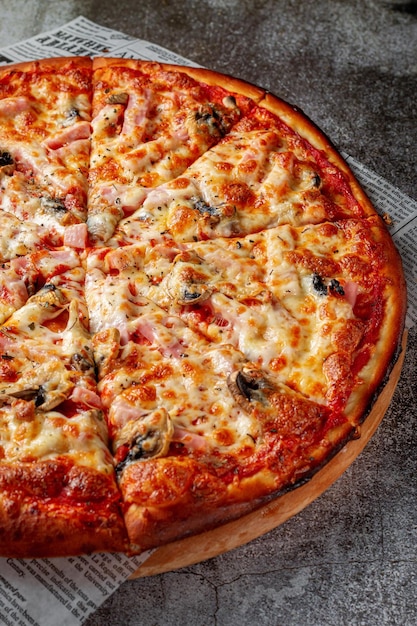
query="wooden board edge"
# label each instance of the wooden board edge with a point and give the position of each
(197, 548)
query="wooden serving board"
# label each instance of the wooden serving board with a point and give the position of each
(204, 546)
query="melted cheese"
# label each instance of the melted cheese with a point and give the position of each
(247, 297)
(219, 261)
(145, 136)
(241, 185)
(191, 388)
(82, 438)
(45, 181)
(42, 367)
(19, 237)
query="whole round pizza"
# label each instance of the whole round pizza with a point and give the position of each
(198, 303)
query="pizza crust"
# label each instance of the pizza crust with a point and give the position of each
(40, 530)
(171, 498)
(388, 347)
(40, 515)
(53, 63)
(302, 124)
(204, 75)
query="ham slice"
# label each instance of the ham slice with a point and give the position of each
(76, 236)
(351, 292)
(189, 440)
(10, 107)
(82, 395)
(81, 130)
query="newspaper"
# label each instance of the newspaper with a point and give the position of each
(400, 213)
(65, 591)
(81, 37)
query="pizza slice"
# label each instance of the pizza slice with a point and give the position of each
(199, 433)
(44, 149)
(261, 175)
(57, 484)
(150, 123)
(299, 302)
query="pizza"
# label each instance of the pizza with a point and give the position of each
(198, 303)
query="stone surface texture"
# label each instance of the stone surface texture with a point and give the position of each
(350, 558)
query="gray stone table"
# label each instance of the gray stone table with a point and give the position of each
(350, 558)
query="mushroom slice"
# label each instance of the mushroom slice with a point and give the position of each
(210, 119)
(283, 411)
(118, 98)
(249, 385)
(75, 342)
(7, 163)
(49, 297)
(102, 222)
(71, 116)
(187, 283)
(147, 437)
(56, 206)
(47, 385)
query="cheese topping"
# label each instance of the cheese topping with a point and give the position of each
(145, 136)
(258, 299)
(40, 437)
(45, 362)
(182, 276)
(44, 151)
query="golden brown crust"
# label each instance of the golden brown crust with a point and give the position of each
(203, 75)
(174, 497)
(50, 64)
(390, 325)
(229, 83)
(170, 498)
(57, 509)
(40, 529)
